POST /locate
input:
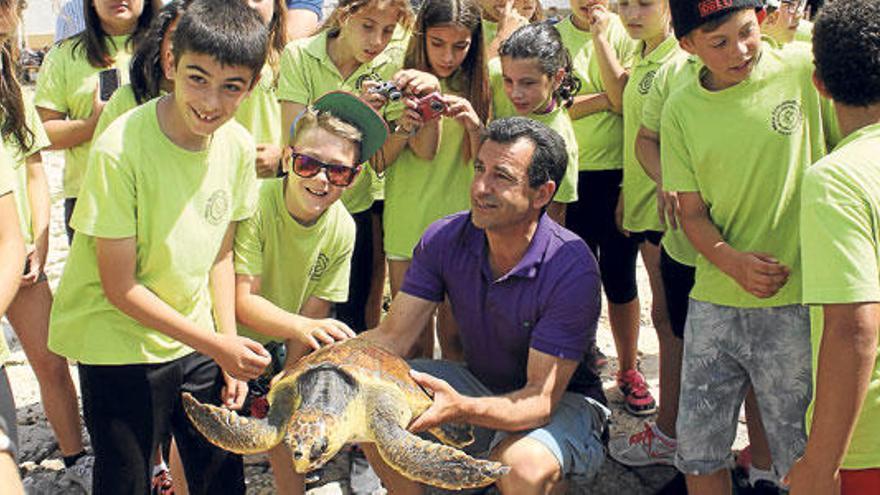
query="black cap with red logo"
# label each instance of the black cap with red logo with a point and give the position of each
(688, 15)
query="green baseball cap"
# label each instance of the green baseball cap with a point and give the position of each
(355, 111)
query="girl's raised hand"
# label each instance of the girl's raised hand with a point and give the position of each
(411, 121)
(599, 19)
(511, 19)
(461, 110)
(416, 82)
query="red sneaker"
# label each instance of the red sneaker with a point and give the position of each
(636, 396)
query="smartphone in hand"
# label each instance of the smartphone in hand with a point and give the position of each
(108, 82)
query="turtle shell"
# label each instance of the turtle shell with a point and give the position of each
(367, 363)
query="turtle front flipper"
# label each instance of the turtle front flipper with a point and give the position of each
(229, 431)
(422, 460)
(458, 435)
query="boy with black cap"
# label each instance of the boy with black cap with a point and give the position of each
(293, 256)
(841, 246)
(739, 209)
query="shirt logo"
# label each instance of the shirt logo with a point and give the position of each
(787, 117)
(709, 7)
(217, 208)
(646, 82)
(320, 266)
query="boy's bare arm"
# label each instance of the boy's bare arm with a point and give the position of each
(760, 274)
(238, 356)
(527, 408)
(846, 360)
(222, 280)
(261, 315)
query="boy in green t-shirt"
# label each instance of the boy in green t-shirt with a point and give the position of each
(292, 258)
(150, 276)
(740, 209)
(840, 242)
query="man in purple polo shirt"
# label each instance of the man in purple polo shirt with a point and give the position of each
(525, 294)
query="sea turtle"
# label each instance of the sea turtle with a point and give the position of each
(351, 391)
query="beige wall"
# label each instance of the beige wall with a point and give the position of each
(39, 40)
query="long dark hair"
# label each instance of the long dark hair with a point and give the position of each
(146, 72)
(542, 42)
(11, 102)
(94, 41)
(277, 38)
(471, 79)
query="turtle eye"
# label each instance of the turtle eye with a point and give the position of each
(297, 454)
(318, 449)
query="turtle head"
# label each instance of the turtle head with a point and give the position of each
(314, 438)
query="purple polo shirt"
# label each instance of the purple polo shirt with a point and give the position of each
(550, 301)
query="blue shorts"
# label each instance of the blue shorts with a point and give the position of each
(573, 436)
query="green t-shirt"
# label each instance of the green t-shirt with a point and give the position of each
(7, 185)
(41, 141)
(556, 119)
(178, 204)
(744, 149)
(600, 135)
(639, 190)
(67, 84)
(804, 31)
(260, 112)
(490, 31)
(294, 262)
(840, 244)
(307, 73)
(419, 192)
(674, 73)
(122, 101)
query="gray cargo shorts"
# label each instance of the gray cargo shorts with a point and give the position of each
(725, 350)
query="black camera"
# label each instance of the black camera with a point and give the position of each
(388, 90)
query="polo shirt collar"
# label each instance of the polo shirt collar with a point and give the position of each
(476, 243)
(317, 47)
(662, 53)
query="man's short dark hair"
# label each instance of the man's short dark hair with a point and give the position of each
(846, 46)
(228, 30)
(550, 158)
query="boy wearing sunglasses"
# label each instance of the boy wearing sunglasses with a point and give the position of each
(293, 256)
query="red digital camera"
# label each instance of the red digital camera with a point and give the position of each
(430, 106)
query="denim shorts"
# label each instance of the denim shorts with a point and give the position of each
(573, 436)
(725, 350)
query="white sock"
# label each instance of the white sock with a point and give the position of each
(158, 468)
(756, 475)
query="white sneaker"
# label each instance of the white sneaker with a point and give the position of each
(645, 448)
(80, 474)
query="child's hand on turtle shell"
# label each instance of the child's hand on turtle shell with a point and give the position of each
(317, 333)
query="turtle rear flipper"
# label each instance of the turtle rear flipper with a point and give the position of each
(229, 431)
(458, 435)
(422, 460)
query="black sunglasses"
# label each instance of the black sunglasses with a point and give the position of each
(339, 175)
